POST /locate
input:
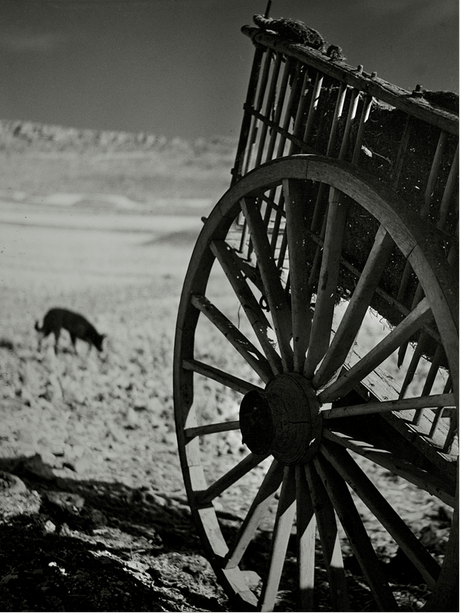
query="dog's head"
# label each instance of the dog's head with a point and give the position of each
(98, 341)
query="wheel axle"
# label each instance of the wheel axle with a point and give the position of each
(283, 420)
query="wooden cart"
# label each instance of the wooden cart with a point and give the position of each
(317, 340)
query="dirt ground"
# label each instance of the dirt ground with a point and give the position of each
(93, 513)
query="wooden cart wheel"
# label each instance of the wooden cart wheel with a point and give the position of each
(292, 394)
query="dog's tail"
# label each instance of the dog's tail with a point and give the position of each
(37, 327)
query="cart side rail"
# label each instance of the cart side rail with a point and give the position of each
(300, 101)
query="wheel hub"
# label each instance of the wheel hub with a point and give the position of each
(283, 420)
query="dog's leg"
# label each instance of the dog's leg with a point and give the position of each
(56, 340)
(73, 338)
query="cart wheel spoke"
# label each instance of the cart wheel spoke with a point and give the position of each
(254, 313)
(275, 295)
(216, 374)
(256, 513)
(327, 285)
(281, 533)
(357, 308)
(300, 291)
(230, 478)
(442, 486)
(306, 532)
(437, 401)
(330, 540)
(383, 511)
(411, 324)
(242, 344)
(359, 540)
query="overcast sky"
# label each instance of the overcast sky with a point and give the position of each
(180, 67)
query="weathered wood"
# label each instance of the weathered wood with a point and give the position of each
(330, 540)
(224, 426)
(234, 383)
(357, 308)
(256, 513)
(263, 81)
(364, 117)
(269, 103)
(281, 533)
(359, 540)
(422, 402)
(243, 345)
(245, 142)
(352, 109)
(430, 266)
(383, 511)
(204, 497)
(300, 290)
(431, 482)
(274, 293)
(327, 286)
(278, 107)
(448, 192)
(306, 533)
(373, 85)
(260, 324)
(379, 353)
(305, 95)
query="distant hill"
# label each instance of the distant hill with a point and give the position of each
(42, 159)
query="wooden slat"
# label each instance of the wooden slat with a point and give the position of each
(448, 192)
(260, 324)
(383, 511)
(413, 322)
(313, 109)
(290, 112)
(278, 107)
(247, 136)
(352, 108)
(420, 402)
(380, 89)
(251, 110)
(305, 95)
(433, 176)
(224, 426)
(428, 481)
(415, 359)
(431, 448)
(244, 346)
(327, 286)
(234, 383)
(356, 309)
(298, 271)
(269, 101)
(281, 533)
(330, 540)
(230, 478)
(274, 292)
(278, 233)
(306, 533)
(359, 540)
(256, 513)
(365, 112)
(334, 124)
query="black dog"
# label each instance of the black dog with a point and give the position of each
(76, 325)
